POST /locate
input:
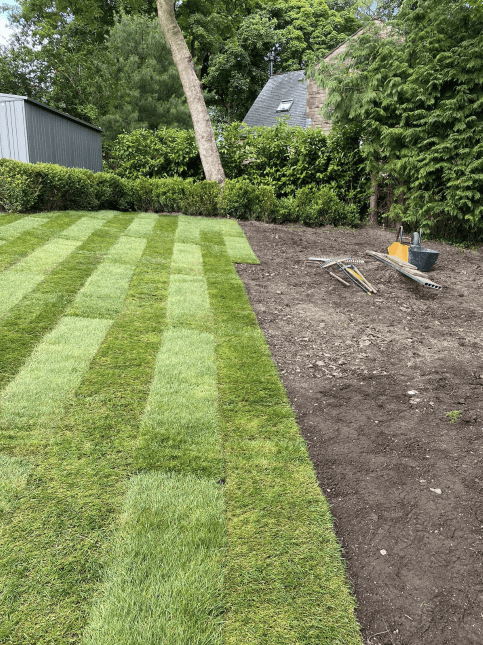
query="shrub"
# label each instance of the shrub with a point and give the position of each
(169, 194)
(286, 210)
(202, 198)
(320, 207)
(19, 186)
(238, 199)
(112, 192)
(165, 153)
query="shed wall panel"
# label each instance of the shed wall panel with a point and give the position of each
(13, 134)
(55, 139)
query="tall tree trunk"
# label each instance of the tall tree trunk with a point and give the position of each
(183, 60)
(373, 201)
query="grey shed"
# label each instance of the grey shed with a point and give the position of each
(281, 91)
(33, 132)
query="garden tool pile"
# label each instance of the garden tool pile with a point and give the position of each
(348, 268)
(413, 261)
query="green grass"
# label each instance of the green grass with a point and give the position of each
(155, 485)
(165, 577)
(180, 428)
(19, 247)
(57, 542)
(53, 372)
(14, 473)
(13, 229)
(285, 581)
(142, 225)
(38, 312)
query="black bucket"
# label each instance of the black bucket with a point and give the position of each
(422, 258)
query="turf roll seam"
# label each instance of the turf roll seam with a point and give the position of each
(40, 310)
(53, 372)
(22, 277)
(12, 230)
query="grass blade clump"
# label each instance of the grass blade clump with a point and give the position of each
(180, 427)
(166, 574)
(13, 478)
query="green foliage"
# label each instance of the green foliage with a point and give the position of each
(238, 199)
(321, 207)
(202, 199)
(454, 415)
(45, 187)
(146, 89)
(297, 31)
(283, 157)
(165, 153)
(112, 192)
(417, 94)
(24, 187)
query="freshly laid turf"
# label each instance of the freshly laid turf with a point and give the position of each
(53, 372)
(164, 583)
(26, 274)
(9, 231)
(284, 580)
(180, 427)
(13, 478)
(56, 543)
(155, 485)
(39, 312)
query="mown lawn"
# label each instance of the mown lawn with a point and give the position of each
(154, 487)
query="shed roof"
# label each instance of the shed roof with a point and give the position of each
(15, 97)
(280, 87)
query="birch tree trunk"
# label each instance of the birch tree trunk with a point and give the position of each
(183, 60)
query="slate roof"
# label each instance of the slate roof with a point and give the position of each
(280, 87)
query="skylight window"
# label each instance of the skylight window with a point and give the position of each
(284, 106)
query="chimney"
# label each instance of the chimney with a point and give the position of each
(271, 58)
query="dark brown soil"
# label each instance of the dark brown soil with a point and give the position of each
(349, 362)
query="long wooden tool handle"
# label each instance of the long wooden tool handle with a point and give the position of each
(339, 279)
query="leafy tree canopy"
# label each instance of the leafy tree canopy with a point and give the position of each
(297, 31)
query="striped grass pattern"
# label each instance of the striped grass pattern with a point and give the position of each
(180, 427)
(9, 231)
(165, 580)
(53, 372)
(154, 484)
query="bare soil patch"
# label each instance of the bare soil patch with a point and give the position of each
(348, 361)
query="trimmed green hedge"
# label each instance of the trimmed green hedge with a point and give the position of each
(28, 187)
(285, 158)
